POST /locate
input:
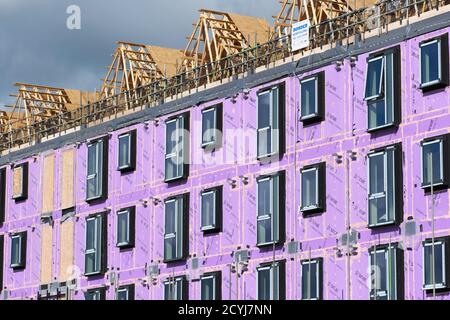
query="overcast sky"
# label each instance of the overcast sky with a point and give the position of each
(36, 46)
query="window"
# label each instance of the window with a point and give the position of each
(312, 279)
(383, 89)
(97, 170)
(18, 250)
(270, 209)
(312, 103)
(212, 127)
(434, 157)
(95, 254)
(20, 182)
(211, 210)
(125, 292)
(211, 288)
(2, 252)
(177, 148)
(127, 152)
(95, 294)
(434, 63)
(176, 232)
(126, 227)
(386, 272)
(270, 121)
(271, 281)
(313, 186)
(435, 270)
(2, 195)
(176, 289)
(385, 199)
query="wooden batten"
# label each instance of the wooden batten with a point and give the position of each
(67, 179)
(46, 254)
(48, 184)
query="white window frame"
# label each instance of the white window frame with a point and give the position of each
(317, 205)
(444, 273)
(121, 290)
(177, 281)
(316, 98)
(208, 277)
(19, 263)
(128, 164)
(309, 263)
(382, 77)
(389, 254)
(179, 127)
(266, 216)
(97, 250)
(214, 129)
(270, 268)
(176, 236)
(214, 212)
(425, 44)
(98, 145)
(127, 212)
(441, 158)
(274, 148)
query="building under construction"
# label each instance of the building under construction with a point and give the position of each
(241, 166)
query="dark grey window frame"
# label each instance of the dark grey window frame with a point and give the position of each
(182, 124)
(217, 211)
(100, 246)
(280, 293)
(176, 281)
(319, 99)
(181, 225)
(2, 259)
(131, 162)
(397, 187)
(444, 141)
(321, 191)
(445, 243)
(318, 262)
(101, 170)
(276, 128)
(279, 236)
(395, 254)
(2, 195)
(216, 142)
(217, 281)
(381, 95)
(100, 292)
(22, 255)
(24, 192)
(129, 289)
(443, 61)
(131, 227)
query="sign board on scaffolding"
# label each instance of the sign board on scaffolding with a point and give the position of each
(300, 35)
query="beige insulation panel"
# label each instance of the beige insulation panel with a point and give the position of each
(17, 181)
(48, 184)
(67, 180)
(46, 254)
(66, 259)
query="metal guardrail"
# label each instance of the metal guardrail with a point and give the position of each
(279, 49)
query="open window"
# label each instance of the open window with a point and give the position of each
(312, 100)
(176, 232)
(270, 117)
(271, 281)
(127, 152)
(383, 91)
(126, 227)
(211, 286)
(177, 148)
(97, 170)
(312, 279)
(435, 158)
(212, 118)
(313, 189)
(19, 250)
(386, 272)
(20, 182)
(435, 263)
(385, 186)
(270, 209)
(96, 245)
(176, 289)
(434, 63)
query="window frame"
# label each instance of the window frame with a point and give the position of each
(321, 191)
(100, 250)
(2, 259)
(319, 99)
(217, 127)
(381, 96)
(217, 210)
(131, 165)
(131, 218)
(182, 124)
(275, 136)
(444, 242)
(281, 281)
(180, 280)
(129, 289)
(22, 254)
(444, 141)
(101, 292)
(180, 227)
(2, 196)
(391, 251)
(397, 187)
(24, 192)
(217, 284)
(443, 63)
(101, 169)
(319, 280)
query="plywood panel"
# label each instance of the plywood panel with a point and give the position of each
(17, 181)
(67, 180)
(46, 254)
(66, 250)
(48, 184)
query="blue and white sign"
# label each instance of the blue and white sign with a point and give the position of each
(300, 35)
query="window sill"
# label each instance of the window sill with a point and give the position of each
(268, 244)
(17, 267)
(427, 87)
(267, 157)
(126, 169)
(167, 261)
(383, 127)
(124, 246)
(88, 200)
(210, 229)
(380, 225)
(175, 179)
(92, 274)
(19, 197)
(309, 211)
(439, 286)
(309, 120)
